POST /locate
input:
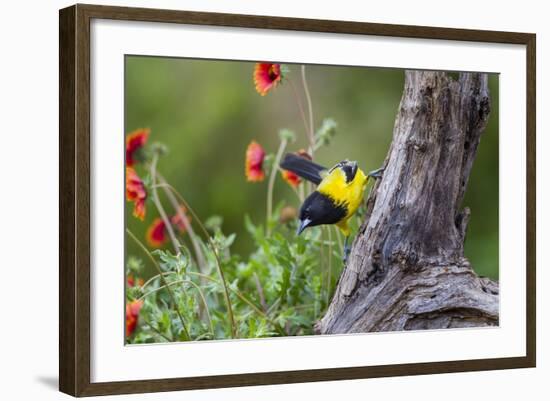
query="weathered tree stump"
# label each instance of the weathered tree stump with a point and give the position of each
(407, 268)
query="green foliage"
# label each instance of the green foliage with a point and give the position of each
(280, 290)
(324, 135)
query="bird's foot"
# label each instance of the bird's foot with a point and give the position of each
(347, 251)
(376, 174)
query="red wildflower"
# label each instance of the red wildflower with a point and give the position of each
(255, 155)
(132, 315)
(178, 219)
(134, 142)
(266, 77)
(291, 178)
(132, 281)
(157, 234)
(136, 192)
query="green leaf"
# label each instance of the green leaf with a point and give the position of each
(287, 135)
(134, 265)
(214, 223)
(229, 240)
(170, 262)
(159, 148)
(326, 132)
(257, 232)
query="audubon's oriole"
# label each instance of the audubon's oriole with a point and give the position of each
(338, 195)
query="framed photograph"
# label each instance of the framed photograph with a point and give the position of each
(250, 200)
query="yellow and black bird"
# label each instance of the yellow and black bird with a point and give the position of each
(338, 195)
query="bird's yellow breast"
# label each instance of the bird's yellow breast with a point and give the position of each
(347, 194)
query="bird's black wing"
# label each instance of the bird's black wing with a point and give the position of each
(303, 167)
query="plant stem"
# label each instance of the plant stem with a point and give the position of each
(157, 331)
(171, 294)
(199, 255)
(205, 335)
(271, 184)
(218, 262)
(158, 204)
(310, 110)
(248, 302)
(322, 257)
(260, 291)
(207, 310)
(201, 260)
(339, 239)
(155, 277)
(273, 306)
(301, 108)
(201, 295)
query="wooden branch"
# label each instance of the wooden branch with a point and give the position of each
(407, 268)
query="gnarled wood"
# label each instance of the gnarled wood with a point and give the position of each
(407, 268)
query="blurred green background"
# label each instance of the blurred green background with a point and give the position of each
(207, 112)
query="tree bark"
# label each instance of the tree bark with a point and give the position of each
(407, 269)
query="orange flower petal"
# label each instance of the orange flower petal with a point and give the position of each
(156, 233)
(132, 315)
(136, 192)
(291, 178)
(266, 77)
(255, 155)
(181, 220)
(139, 208)
(135, 141)
(131, 281)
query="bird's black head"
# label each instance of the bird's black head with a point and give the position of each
(348, 167)
(307, 219)
(319, 209)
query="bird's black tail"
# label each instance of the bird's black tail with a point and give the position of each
(303, 167)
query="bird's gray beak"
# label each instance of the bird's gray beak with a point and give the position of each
(303, 225)
(376, 174)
